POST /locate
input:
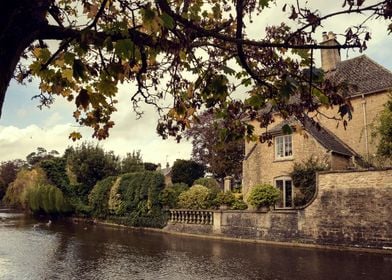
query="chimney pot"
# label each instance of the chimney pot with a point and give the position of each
(329, 57)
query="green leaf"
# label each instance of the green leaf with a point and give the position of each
(286, 129)
(256, 101)
(168, 21)
(78, 69)
(124, 48)
(228, 70)
(69, 58)
(264, 3)
(321, 96)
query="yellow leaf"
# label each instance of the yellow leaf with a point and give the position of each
(75, 136)
(37, 52)
(59, 62)
(67, 73)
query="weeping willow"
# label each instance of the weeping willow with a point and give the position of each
(46, 198)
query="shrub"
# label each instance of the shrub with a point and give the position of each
(225, 198)
(197, 197)
(210, 183)
(139, 195)
(99, 197)
(46, 199)
(263, 195)
(169, 196)
(304, 178)
(239, 204)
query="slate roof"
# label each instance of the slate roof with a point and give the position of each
(362, 74)
(165, 171)
(325, 137)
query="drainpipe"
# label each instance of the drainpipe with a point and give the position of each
(365, 126)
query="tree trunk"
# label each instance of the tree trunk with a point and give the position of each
(20, 22)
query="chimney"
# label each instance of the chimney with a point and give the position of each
(329, 57)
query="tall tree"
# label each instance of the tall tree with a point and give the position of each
(90, 163)
(8, 171)
(183, 49)
(133, 162)
(213, 147)
(40, 155)
(186, 171)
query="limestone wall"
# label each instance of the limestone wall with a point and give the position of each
(354, 134)
(350, 209)
(262, 167)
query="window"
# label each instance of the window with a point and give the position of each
(286, 188)
(283, 146)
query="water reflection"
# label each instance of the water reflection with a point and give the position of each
(69, 251)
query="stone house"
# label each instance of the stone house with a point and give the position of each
(330, 144)
(167, 173)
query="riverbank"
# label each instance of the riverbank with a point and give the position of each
(232, 239)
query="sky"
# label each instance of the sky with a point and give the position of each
(24, 127)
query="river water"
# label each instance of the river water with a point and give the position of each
(31, 249)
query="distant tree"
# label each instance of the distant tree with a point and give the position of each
(186, 171)
(132, 162)
(384, 131)
(214, 148)
(8, 171)
(41, 154)
(90, 163)
(150, 166)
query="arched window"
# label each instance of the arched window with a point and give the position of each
(285, 185)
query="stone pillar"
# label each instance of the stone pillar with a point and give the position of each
(216, 227)
(227, 183)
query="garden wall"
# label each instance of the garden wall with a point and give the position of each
(350, 209)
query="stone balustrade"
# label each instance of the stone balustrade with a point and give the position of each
(202, 217)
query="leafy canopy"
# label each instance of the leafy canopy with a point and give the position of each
(186, 171)
(196, 53)
(214, 147)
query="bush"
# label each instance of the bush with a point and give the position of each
(99, 197)
(263, 195)
(139, 195)
(169, 196)
(210, 183)
(239, 204)
(304, 178)
(225, 198)
(46, 199)
(197, 197)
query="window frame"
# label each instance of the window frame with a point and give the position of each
(283, 143)
(284, 179)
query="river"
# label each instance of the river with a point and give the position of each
(31, 249)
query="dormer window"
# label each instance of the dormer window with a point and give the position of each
(283, 147)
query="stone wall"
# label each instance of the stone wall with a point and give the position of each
(354, 134)
(350, 209)
(262, 167)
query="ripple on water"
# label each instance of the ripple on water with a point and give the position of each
(67, 251)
